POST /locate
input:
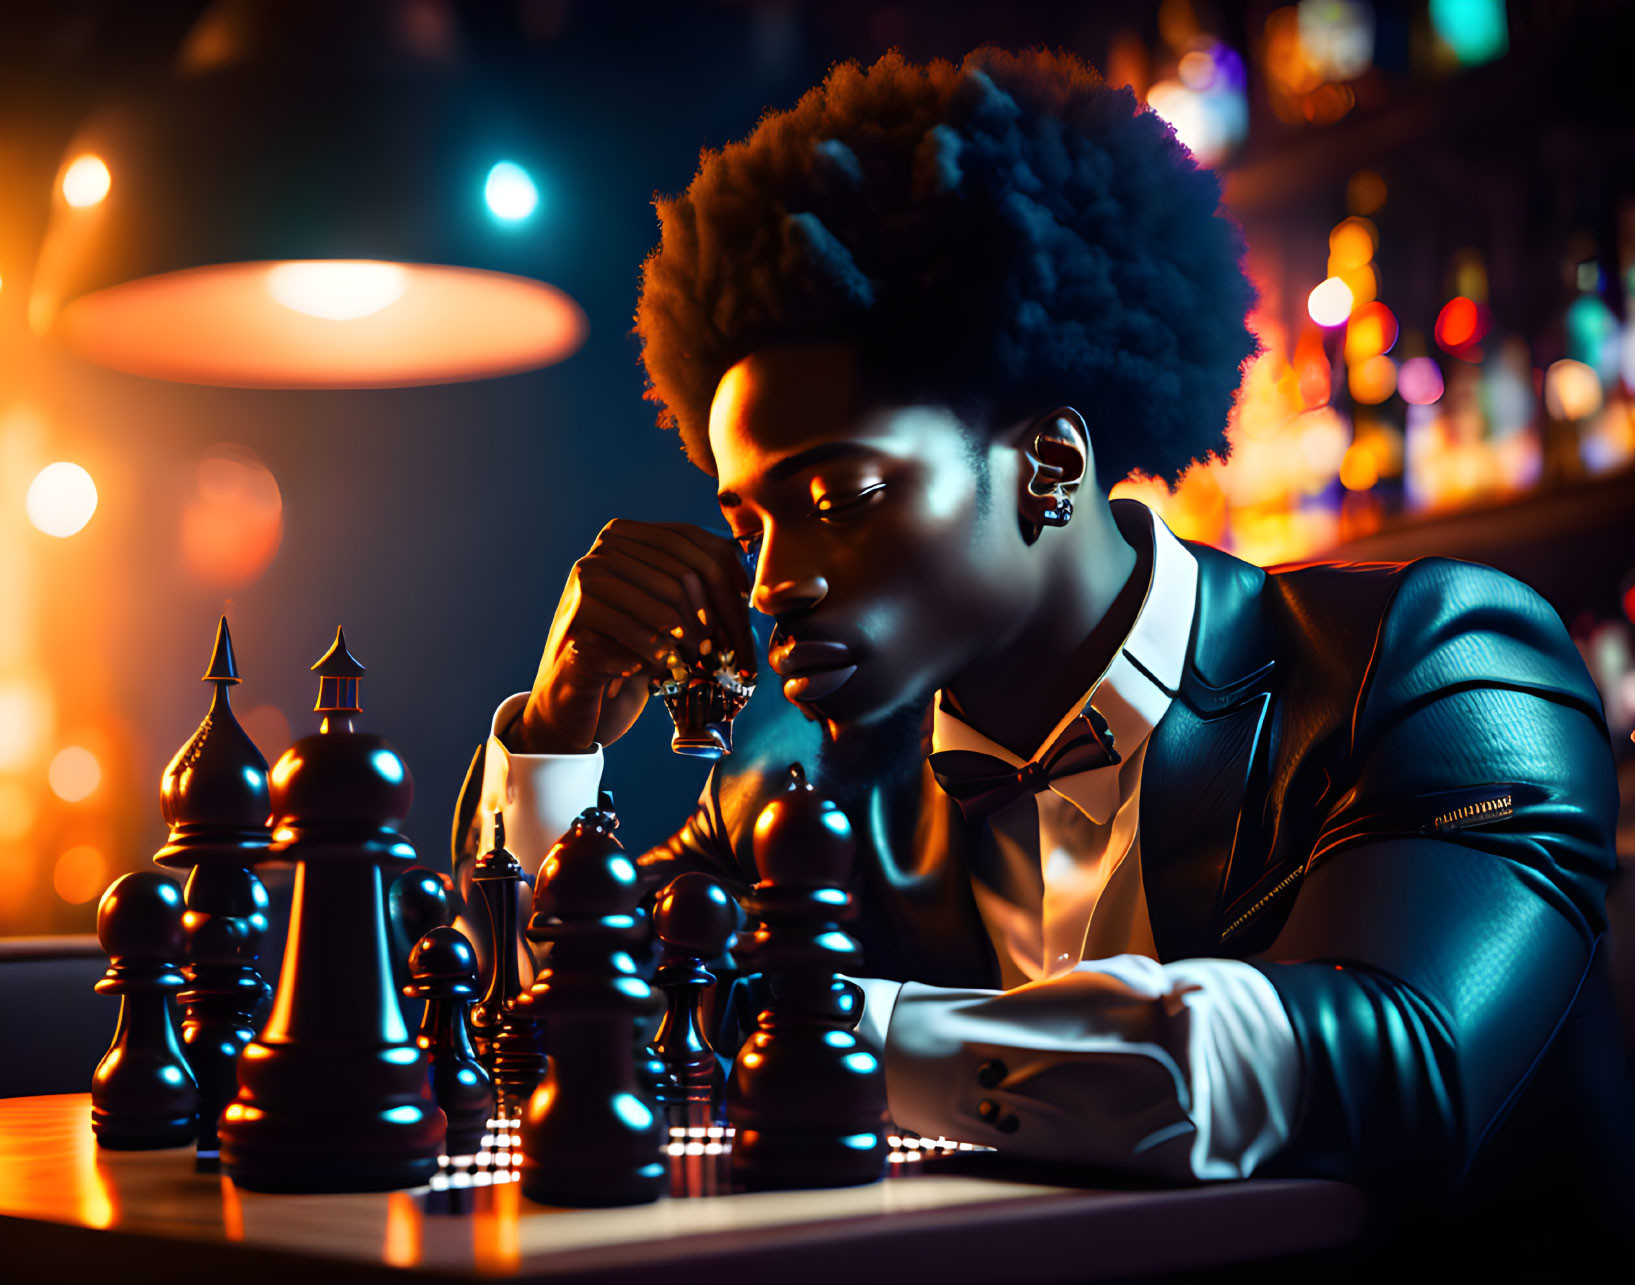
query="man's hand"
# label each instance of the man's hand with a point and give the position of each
(645, 591)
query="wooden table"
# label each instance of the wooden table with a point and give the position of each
(70, 1212)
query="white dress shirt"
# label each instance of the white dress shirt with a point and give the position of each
(1094, 1052)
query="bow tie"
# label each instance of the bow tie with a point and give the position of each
(982, 783)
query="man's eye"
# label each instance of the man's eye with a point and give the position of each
(831, 506)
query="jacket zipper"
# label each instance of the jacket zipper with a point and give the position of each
(1260, 905)
(1496, 807)
(1479, 813)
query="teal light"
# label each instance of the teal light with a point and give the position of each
(862, 1063)
(388, 765)
(1592, 335)
(404, 1115)
(1476, 30)
(510, 193)
(632, 1111)
(862, 1141)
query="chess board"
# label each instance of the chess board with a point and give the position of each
(69, 1211)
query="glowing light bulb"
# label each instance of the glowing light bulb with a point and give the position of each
(74, 774)
(510, 193)
(337, 289)
(86, 181)
(61, 499)
(1330, 303)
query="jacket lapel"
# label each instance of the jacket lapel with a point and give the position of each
(1200, 845)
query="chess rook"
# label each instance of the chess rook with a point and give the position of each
(333, 1094)
(214, 797)
(143, 1095)
(694, 919)
(588, 1135)
(807, 1102)
(443, 969)
(497, 876)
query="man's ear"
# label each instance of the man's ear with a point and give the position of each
(1056, 459)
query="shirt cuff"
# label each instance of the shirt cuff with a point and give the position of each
(1187, 1070)
(538, 794)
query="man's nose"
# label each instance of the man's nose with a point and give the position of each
(788, 597)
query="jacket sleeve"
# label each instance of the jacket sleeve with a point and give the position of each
(1456, 892)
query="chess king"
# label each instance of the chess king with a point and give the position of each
(1167, 863)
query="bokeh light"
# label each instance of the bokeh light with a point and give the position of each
(1365, 192)
(86, 181)
(1329, 304)
(1592, 335)
(61, 499)
(234, 522)
(1571, 390)
(1373, 380)
(1359, 470)
(1420, 381)
(26, 715)
(1351, 244)
(1372, 331)
(510, 192)
(74, 773)
(337, 289)
(1460, 325)
(1475, 31)
(80, 875)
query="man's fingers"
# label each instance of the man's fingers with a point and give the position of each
(645, 596)
(717, 562)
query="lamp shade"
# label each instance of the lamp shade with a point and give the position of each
(308, 213)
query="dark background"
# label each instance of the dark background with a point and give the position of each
(437, 524)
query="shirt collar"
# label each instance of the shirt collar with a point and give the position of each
(1136, 688)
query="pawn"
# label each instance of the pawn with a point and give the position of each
(807, 1102)
(694, 919)
(143, 1095)
(416, 903)
(588, 1135)
(444, 971)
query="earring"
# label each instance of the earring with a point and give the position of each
(1059, 513)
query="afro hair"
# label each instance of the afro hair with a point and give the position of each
(998, 237)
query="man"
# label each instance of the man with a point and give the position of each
(1209, 872)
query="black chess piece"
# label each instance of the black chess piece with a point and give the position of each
(694, 919)
(518, 1055)
(213, 795)
(333, 1094)
(497, 876)
(588, 1135)
(444, 971)
(416, 903)
(143, 1095)
(807, 1102)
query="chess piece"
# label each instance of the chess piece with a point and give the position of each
(807, 1102)
(416, 903)
(497, 875)
(333, 1094)
(213, 795)
(518, 1054)
(694, 919)
(143, 1095)
(444, 971)
(588, 1136)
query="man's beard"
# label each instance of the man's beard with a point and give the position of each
(883, 751)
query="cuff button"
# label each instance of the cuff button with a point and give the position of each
(987, 1110)
(1007, 1124)
(991, 1073)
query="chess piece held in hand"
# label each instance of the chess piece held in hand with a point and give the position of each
(143, 1095)
(807, 1101)
(444, 971)
(333, 1094)
(213, 795)
(703, 698)
(588, 1136)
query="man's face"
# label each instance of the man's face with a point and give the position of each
(886, 571)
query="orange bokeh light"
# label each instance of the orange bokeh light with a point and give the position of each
(74, 773)
(233, 525)
(80, 874)
(1371, 331)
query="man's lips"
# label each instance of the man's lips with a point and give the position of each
(791, 659)
(811, 670)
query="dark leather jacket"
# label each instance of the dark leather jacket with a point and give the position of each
(1387, 786)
